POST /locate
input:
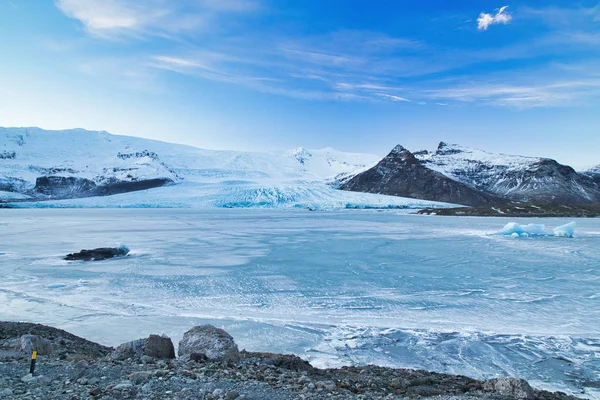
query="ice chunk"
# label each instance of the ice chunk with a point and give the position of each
(566, 230)
(515, 229)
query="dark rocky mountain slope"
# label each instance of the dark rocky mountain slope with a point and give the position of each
(460, 175)
(400, 173)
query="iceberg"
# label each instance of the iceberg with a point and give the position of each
(515, 229)
(566, 230)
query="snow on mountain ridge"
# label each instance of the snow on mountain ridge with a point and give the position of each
(515, 177)
(206, 178)
(83, 153)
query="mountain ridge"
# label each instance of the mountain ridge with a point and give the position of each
(500, 178)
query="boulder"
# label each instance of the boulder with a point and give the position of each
(101, 253)
(207, 341)
(29, 343)
(510, 387)
(159, 347)
(154, 346)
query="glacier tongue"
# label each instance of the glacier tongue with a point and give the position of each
(300, 178)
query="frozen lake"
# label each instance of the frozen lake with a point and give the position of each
(337, 288)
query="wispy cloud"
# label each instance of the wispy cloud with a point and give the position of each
(346, 65)
(501, 17)
(574, 16)
(113, 18)
(559, 92)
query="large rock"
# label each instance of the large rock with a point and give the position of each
(29, 343)
(159, 347)
(207, 341)
(154, 346)
(23, 346)
(510, 387)
(101, 253)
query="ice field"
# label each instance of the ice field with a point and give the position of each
(337, 288)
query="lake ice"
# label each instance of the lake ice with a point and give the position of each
(337, 288)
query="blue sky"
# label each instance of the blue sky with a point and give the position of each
(512, 76)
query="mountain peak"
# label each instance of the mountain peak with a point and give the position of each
(444, 149)
(399, 149)
(301, 154)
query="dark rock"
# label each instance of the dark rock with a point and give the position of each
(159, 347)
(154, 346)
(63, 186)
(521, 210)
(7, 155)
(125, 187)
(285, 361)
(101, 253)
(69, 187)
(400, 173)
(214, 343)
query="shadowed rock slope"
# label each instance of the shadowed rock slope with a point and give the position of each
(400, 173)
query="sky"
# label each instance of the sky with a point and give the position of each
(512, 76)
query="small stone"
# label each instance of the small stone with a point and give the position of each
(82, 381)
(147, 388)
(140, 376)
(5, 393)
(147, 359)
(218, 392)
(123, 386)
(232, 395)
(329, 386)
(28, 378)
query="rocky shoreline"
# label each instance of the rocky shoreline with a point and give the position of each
(210, 366)
(521, 210)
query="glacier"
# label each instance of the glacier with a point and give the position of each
(343, 287)
(300, 178)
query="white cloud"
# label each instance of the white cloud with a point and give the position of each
(110, 18)
(501, 17)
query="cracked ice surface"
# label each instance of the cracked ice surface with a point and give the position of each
(337, 288)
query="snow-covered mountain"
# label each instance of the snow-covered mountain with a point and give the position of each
(525, 179)
(501, 177)
(400, 173)
(75, 167)
(594, 174)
